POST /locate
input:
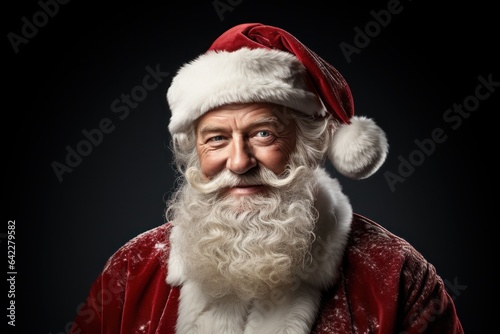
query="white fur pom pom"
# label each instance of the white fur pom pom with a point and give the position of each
(358, 149)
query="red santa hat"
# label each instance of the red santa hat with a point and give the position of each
(259, 63)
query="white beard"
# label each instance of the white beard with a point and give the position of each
(246, 246)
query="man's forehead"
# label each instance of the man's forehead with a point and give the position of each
(252, 112)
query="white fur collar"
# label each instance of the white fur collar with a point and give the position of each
(293, 312)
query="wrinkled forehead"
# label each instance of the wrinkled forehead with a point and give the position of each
(261, 110)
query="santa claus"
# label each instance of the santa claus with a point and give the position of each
(259, 238)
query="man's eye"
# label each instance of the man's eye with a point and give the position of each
(263, 133)
(216, 138)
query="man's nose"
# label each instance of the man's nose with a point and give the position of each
(241, 158)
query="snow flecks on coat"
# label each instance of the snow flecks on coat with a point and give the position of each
(381, 256)
(382, 288)
(143, 328)
(134, 253)
(126, 263)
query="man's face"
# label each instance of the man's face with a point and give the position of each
(240, 138)
(245, 217)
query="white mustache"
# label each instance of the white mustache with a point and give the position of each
(227, 179)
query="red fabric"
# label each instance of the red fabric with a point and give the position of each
(385, 286)
(331, 86)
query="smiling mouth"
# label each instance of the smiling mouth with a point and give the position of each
(246, 189)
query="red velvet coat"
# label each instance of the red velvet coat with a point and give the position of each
(384, 286)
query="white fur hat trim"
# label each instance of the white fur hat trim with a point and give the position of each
(247, 75)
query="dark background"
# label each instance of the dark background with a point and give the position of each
(64, 78)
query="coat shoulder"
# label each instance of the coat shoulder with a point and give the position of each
(370, 238)
(373, 249)
(151, 246)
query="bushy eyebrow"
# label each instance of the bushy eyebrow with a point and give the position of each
(211, 128)
(271, 120)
